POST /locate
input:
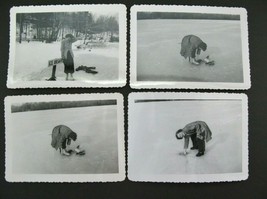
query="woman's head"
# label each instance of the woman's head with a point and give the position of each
(203, 46)
(179, 134)
(73, 136)
(69, 36)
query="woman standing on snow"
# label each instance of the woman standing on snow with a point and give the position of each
(67, 55)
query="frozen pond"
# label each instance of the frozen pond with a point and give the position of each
(154, 149)
(159, 44)
(96, 128)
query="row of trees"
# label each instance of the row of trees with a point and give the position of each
(34, 106)
(51, 26)
(181, 15)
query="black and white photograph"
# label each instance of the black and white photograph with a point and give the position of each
(189, 47)
(67, 46)
(65, 138)
(187, 137)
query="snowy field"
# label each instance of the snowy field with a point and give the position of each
(31, 61)
(154, 149)
(97, 132)
(159, 44)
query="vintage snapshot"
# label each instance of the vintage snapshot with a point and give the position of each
(187, 137)
(65, 138)
(189, 47)
(67, 46)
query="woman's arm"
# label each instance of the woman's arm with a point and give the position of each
(198, 51)
(186, 144)
(73, 39)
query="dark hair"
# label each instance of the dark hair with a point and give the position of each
(73, 136)
(69, 36)
(177, 132)
(203, 46)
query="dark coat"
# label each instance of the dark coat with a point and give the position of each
(199, 128)
(60, 134)
(190, 44)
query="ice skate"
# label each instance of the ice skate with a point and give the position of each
(79, 151)
(208, 61)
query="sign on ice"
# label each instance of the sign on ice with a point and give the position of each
(54, 61)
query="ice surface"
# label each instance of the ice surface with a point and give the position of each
(159, 44)
(154, 149)
(31, 61)
(97, 132)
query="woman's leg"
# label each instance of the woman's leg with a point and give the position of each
(71, 76)
(194, 141)
(201, 147)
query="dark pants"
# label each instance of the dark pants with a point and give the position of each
(64, 144)
(198, 143)
(69, 63)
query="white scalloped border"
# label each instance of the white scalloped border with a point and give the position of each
(197, 178)
(189, 85)
(120, 82)
(70, 178)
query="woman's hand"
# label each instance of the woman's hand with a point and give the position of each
(183, 153)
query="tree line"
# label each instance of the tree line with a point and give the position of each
(181, 15)
(51, 26)
(36, 106)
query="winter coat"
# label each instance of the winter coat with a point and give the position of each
(66, 45)
(199, 128)
(189, 45)
(59, 135)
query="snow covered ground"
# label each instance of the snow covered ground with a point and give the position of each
(97, 132)
(159, 44)
(31, 61)
(154, 149)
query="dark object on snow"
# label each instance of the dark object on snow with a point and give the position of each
(60, 135)
(191, 45)
(87, 69)
(81, 152)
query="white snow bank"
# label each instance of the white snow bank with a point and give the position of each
(31, 61)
